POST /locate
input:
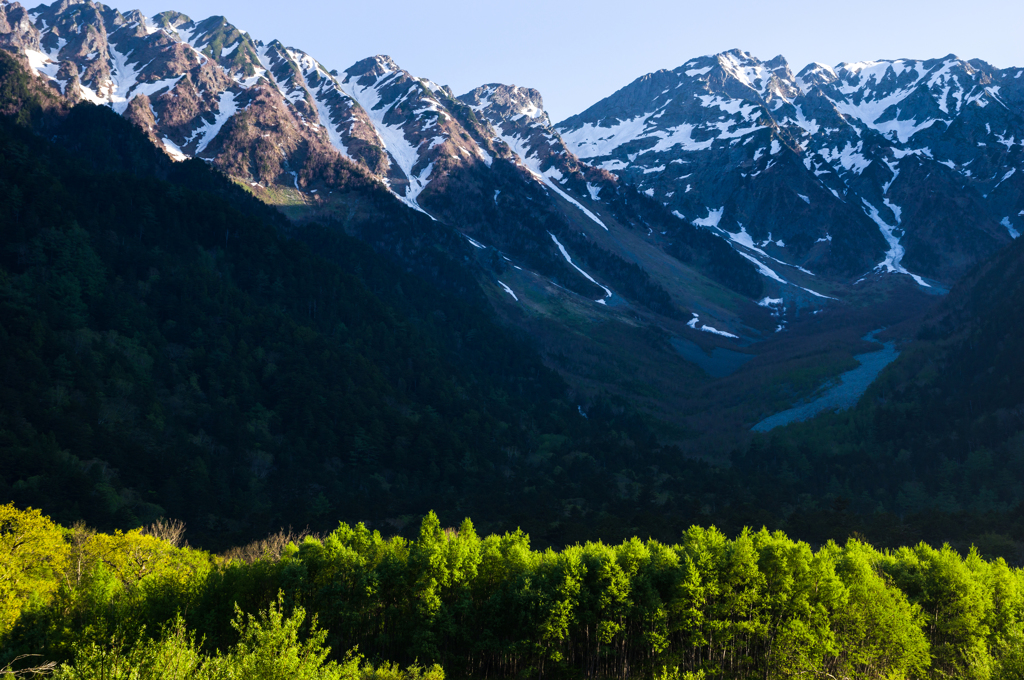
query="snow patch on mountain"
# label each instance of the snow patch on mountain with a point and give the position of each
(762, 269)
(328, 87)
(744, 239)
(42, 63)
(849, 158)
(681, 136)
(712, 220)
(545, 178)
(509, 291)
(124, 77)
(894, 256)
(404, 152)
(1009, 228)
(593, 141)
(692, 323)
(561, 248)
(226, 107)
(173, 150)
(520, 146)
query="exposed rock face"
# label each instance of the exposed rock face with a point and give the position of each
(912, 164)
(423, 138)
(184, 81)
(517, 115)
(17, 29)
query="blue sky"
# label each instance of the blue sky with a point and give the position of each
(578, 52)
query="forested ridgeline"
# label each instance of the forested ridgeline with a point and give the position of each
(758, 605)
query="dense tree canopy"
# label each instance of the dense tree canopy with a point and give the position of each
(758, 605)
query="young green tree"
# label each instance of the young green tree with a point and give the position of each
(33, 556)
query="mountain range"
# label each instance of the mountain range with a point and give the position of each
(901, 166)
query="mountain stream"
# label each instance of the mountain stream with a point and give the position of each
(844, 394)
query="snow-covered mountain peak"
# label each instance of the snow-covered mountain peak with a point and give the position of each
(373, 67)
(507, 102)
(420, 133)
(815, 75)
(745, 68)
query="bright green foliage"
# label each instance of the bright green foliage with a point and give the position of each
(32, 556)
(760, 605)
(272, 646)
(175, 657)
(872, 631)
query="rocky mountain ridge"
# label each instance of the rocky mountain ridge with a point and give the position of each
(266, 114)
(898, 166)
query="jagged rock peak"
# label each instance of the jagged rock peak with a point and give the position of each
(780, 67)
(64, 4)
(816, 75)
(748, 69)
(16, 28)
(171, 20)
(376, 66)
(505, 102)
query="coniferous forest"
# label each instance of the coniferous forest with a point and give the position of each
(171, 347)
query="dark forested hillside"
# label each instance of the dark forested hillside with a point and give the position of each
(168, 350)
